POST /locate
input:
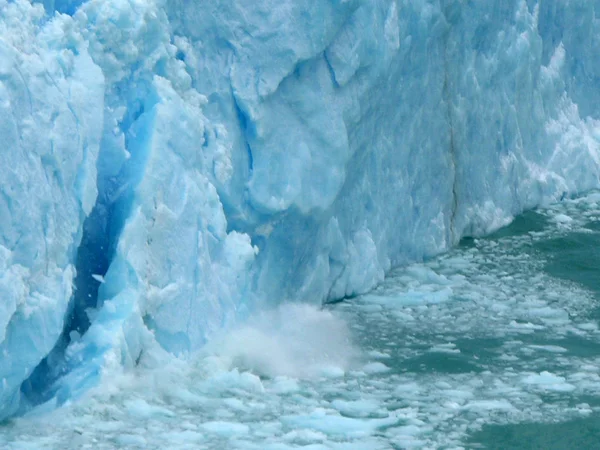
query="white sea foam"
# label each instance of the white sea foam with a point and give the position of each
(294, 340)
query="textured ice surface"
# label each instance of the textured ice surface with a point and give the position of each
(183, 164)
(51, 97)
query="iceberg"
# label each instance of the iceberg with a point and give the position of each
(171, 167)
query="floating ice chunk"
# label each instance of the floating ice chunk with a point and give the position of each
(379, 355)
(304, 437)
(445, 348)
(285, 385)
(226, 429)
(548, 382)
(330, 424)
(140, 408)
(356, 408)
(490, 405)
(132, 440)
(375, 367)
(562, 219)
(548, 348)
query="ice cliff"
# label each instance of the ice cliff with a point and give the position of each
(168, 167)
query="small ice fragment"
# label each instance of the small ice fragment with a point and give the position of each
(226, 429)
(375, 367)
(99, 278)
(549, 382)
(562, 218)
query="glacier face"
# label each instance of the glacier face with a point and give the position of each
(171, 166)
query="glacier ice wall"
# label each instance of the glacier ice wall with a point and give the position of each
(51, 96)
(169, 167)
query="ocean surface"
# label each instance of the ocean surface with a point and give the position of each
(494, 345)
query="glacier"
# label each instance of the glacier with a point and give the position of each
(171, 167)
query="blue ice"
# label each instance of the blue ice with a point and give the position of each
(169, 167)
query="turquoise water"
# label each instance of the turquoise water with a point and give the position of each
(509, 331)
(494, 345)
(572, 255)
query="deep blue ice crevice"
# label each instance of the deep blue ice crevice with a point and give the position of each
(247, 128)
(162, 219)
(62, 6)
(74, 363)
(128, 116)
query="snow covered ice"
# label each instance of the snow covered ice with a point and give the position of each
(170, 169)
